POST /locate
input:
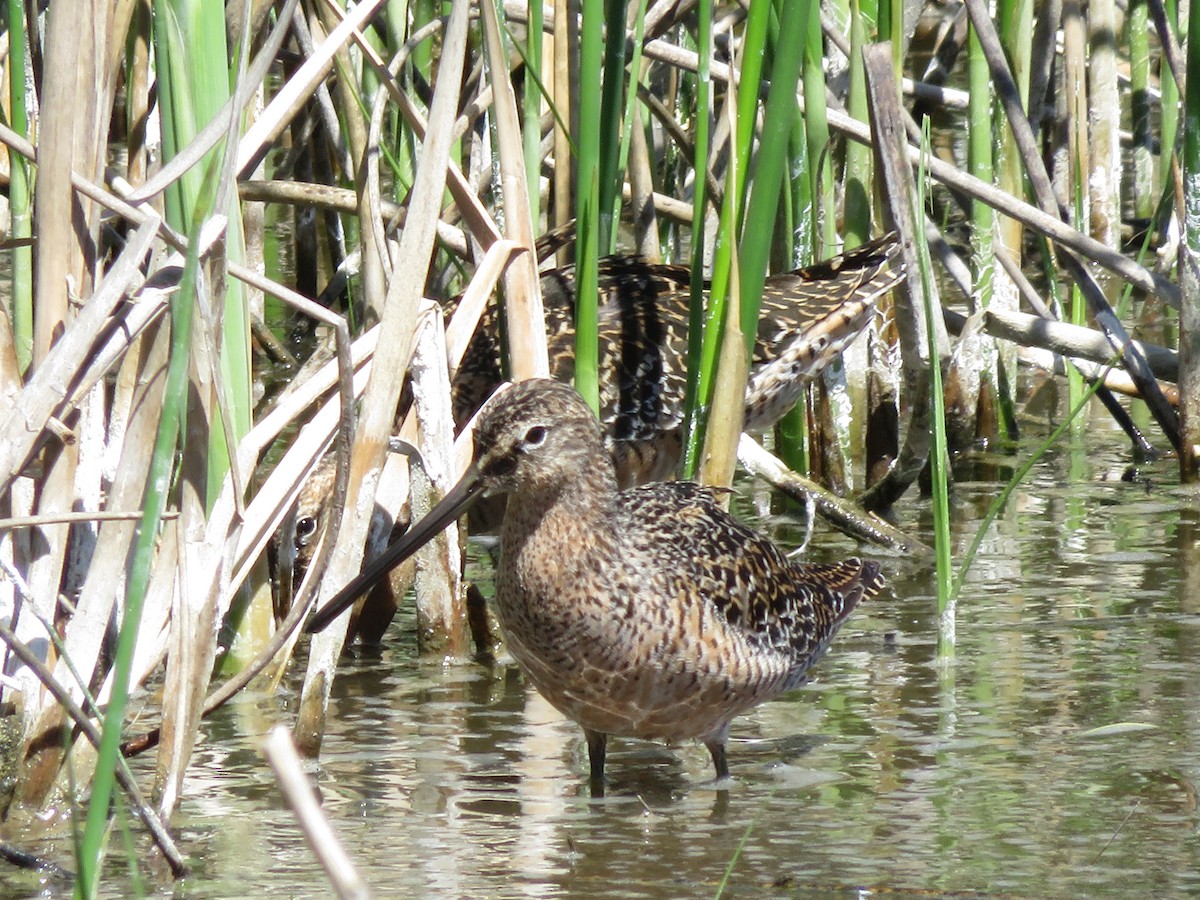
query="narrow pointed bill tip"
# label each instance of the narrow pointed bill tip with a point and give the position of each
(454, 504)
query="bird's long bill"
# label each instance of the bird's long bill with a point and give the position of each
(453, 505)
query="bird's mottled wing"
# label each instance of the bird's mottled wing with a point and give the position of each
(797, 304)
(793, 608)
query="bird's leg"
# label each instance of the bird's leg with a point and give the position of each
(596, 741)
(717, 749)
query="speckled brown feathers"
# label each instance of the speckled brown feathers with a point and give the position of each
(808, 316)
(650, 612)
(647, 613)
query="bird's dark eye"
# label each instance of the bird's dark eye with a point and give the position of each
(305, 526)
(535, 436)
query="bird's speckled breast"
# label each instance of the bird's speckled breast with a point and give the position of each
(617, 639)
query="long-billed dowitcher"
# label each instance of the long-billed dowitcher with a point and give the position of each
(648, 612)
(808, 317)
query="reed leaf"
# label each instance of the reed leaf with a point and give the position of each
(171, 430)
(701, 132)
(20, 193)
(939, 456)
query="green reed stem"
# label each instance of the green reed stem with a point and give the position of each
(702, 130)
(20, 204)
(756, 232)
(754, 45)
(816, 129)
(168, 440)
(612, 102)
(532, 107)
(753, 52)
(798, 16)
(588, 219)
(856, 205)
(799, 225)
(980, 164)
(939, 457)
(193, 85)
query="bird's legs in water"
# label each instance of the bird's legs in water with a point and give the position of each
(597, 742)
(717, 749)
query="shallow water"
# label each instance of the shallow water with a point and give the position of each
(1055, 755)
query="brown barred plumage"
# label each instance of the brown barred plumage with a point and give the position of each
(649, 612)
(808, 317)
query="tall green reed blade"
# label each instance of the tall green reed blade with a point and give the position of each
(193, 85)
(753, 58)
(754, 42)
(856, 210)
(754, 245)
(816, 130)
(19, 202)
(792, 444)
(891, 28)
(830, 441)
(939, 457)
(798, 16)
(587, 198)
(612, 101)
(980, 164)
(1189, 312)
(169, 438)
(531, 125)
(702, 131)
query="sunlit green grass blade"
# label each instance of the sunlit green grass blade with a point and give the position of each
(588, 228)
(857, 203)
(701, 130)
(753, 53)
(19, 198)
(939, 457)
(158, 484)
(755, 244)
